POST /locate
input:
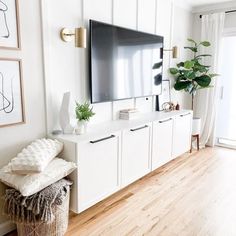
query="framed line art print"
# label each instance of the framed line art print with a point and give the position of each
(11, 92)
(9, 25)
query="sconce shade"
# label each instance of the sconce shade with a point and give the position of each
(175, 52)
(80, 37)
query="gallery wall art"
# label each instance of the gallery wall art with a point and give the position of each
(9, 24)
(11, 92)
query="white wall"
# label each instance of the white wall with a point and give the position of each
(67, 66)
(182, 29)
(14, 138)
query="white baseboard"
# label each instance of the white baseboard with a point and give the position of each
(6, 227)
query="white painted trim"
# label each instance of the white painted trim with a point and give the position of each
(6, 227)
(46, 59)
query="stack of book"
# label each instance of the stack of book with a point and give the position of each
(129, 114)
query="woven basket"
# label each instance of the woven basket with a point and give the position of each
(57, 228)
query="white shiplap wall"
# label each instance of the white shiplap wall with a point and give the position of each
(67, 65)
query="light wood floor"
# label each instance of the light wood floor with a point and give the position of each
(194, 195)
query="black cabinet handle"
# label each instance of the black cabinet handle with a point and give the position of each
(163, 121)
(143, 127)
(102, 139)
(185, 114)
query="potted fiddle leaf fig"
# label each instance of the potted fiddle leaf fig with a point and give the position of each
(83, 114)
(192, 75)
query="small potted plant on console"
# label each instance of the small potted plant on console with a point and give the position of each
(83, 114)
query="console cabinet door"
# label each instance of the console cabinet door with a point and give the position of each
(135, 153)
(98, 169)
(161, 142)
(182, 134)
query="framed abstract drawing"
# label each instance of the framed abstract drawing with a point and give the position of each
(11, 92)
(9, 25)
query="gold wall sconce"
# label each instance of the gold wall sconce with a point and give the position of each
(78, 34)
(174, 51)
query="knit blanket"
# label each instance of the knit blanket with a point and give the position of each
(37, 207)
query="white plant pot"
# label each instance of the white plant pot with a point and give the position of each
(196, 126)
(81, 127)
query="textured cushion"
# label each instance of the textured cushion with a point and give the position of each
(30, 184)
(36, 156)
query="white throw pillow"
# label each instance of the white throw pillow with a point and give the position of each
(36, 156)
(33, 183)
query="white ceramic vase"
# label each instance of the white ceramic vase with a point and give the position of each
(81, 127)
(64, 116)
(196, 126)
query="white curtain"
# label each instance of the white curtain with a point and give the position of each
(206, 100)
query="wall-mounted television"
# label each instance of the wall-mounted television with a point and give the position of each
(124, 63)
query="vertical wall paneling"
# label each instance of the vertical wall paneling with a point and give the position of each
(101, 11)
(163, 24)
(181, 31)
(66, 67)
(146, 14)
(125, 15)
(98, 10)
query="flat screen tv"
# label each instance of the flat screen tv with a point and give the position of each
(124, 63)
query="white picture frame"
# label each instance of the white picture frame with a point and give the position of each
(11, 92)
(9, 25)
(165, 95)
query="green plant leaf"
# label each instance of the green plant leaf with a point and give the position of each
(203, 81)
(181, 64)
(192, 41)
(202, 55)
(181, 85)
(157, 65)
(189, 74)
(173, 71)
(194, 49)
(188, 64)
(213, 75)
(205, 43)
(210, 86)
(83, 111)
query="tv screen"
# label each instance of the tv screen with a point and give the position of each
(124, 63)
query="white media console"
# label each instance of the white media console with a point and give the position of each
(114, 154)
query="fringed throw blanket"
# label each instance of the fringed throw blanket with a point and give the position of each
(37, 207)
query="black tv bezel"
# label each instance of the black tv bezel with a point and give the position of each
(90, 61)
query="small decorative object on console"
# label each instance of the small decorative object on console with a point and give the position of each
(168, 106)
(83, 114)
(129, 114)
(177, 107)
(65, 122)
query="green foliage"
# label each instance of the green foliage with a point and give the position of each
(83, 111)
(157, 65)
(192, 75)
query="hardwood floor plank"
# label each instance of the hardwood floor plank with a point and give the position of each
(192, 195)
